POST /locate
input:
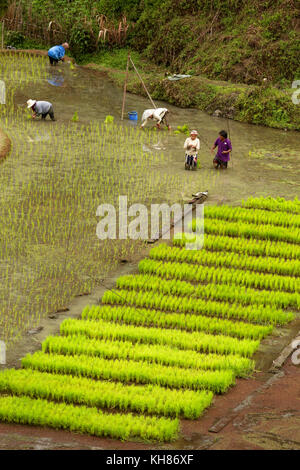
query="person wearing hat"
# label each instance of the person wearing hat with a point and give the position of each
(41, 108)
(160, 115)
(56, 53)
(191, 146)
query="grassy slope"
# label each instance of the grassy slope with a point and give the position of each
(264, 104)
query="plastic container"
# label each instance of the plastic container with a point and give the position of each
(133, 115)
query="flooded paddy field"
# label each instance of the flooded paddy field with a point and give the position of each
(58, 173)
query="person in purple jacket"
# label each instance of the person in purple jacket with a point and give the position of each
(57, 53)
(224, 148)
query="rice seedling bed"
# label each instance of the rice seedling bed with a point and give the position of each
(75, 345)
(131, 371)
(233, 260)
(33, 411)
(248, 215)
(151, 399)
(250, 230)
(256, 313)
(226, 243)
(181, 321)
(273, 204)
(196, 341)
(238, 277)
(220, 292)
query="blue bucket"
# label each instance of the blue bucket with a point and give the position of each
(133, 115)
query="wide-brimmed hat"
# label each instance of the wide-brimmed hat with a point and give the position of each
(194, 132)
(30, 103)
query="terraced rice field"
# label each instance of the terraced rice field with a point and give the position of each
(169, 338)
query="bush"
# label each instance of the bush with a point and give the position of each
(81, 41)
(15, 39)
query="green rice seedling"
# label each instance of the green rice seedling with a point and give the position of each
(157, 353)
(273, 204)
(25, 410)
(243, 246)
(75, 117)
(251, 231)
(47, 217)
(256, 314)
(194, 273)
(146, 317)
(196, 341)
(208, 258)
(128, 371)
(150, 399)
(220, 292)
(257, 216)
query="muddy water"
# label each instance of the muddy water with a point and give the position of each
(264, 161)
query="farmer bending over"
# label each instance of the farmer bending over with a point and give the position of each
(160, 115)
(224, 148)
(41, 108)
(191, 146)
(57, 53)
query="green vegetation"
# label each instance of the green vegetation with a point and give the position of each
(234, 260)
(25, 410)
(237, 277)
(128, 371)
(104, 394)
(165, 340)
(271, 204)
(196, 341)
(246, 246)
(229, 47)
(220, 292)
(157, 353)
(147, 317)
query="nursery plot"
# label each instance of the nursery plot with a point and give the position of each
(159, 337)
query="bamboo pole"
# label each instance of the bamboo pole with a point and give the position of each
(125, 87)
(143, 83)
(2, 35)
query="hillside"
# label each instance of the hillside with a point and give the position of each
(237, 41)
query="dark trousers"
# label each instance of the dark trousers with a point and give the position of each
(219, 163)
(53, 61)
(191, 160)
(51, 114)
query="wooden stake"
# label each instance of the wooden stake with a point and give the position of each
(125, 87)
(143, 83)
(2, 35)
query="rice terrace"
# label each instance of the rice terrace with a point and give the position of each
(138, 344)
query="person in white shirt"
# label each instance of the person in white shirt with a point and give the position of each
(41, 108)
(191, 146)
(160, 115)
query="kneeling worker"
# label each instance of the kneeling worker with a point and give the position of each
(42, 108)
(160, 115)
(57, 53)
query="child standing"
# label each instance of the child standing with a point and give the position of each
(191, 146)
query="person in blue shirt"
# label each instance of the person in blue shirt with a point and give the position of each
(56, 53)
